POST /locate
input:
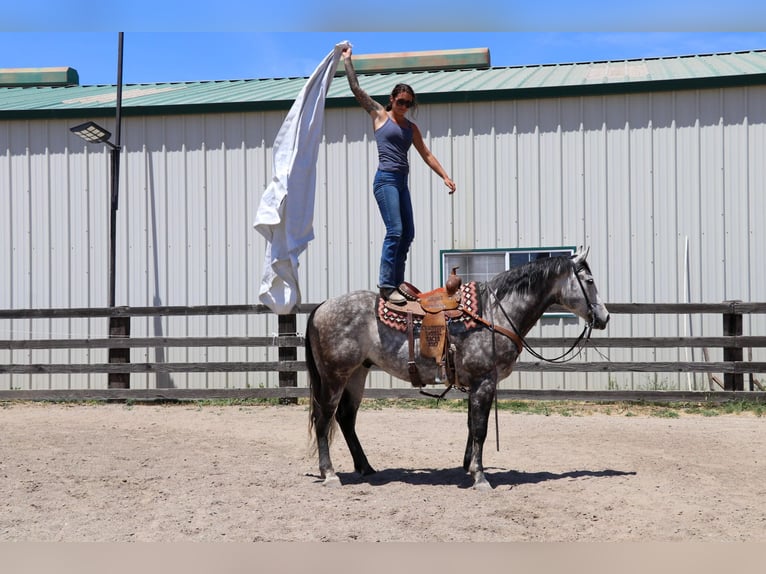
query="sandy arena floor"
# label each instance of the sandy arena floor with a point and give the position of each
(190, 473)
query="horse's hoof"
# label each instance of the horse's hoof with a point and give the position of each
(331, 482)
(482, 486)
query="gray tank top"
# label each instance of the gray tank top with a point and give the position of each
(393, 143)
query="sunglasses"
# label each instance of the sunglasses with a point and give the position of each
(403, 102)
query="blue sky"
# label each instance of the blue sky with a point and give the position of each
(193, 56)
(375, 16)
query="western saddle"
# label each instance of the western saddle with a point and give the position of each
(432, 310)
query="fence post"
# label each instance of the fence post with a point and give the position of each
(119, 328)
(732, 327)
(287, 325)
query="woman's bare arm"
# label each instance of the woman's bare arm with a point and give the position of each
(372, 107)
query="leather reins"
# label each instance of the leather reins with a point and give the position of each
(520, 341)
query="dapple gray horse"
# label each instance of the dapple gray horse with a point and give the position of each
(345, 338)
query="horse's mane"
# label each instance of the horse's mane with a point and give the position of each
(530, 277)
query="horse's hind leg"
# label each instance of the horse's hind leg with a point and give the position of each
(346, 417)
(322, 413)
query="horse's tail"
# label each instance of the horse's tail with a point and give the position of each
(315, 378)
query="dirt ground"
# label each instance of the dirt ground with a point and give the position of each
(191, 473)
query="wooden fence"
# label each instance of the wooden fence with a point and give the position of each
(119, 367)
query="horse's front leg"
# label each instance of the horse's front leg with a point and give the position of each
(479, 407)
(346, 417)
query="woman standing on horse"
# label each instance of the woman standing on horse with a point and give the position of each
(394, 134)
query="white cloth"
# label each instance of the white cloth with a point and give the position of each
(286, 213)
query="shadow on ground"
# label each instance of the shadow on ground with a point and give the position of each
(460, 478)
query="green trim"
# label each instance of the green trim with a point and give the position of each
(594, 89)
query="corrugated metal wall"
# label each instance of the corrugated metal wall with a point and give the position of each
(633, 176)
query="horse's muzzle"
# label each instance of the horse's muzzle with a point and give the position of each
(600, 322)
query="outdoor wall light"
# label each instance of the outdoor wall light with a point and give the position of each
(91, 132)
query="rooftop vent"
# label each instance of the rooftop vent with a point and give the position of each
(31, 77)
(419, 61)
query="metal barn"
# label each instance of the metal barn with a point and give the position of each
(656, 164)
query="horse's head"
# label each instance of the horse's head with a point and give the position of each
(580, 294)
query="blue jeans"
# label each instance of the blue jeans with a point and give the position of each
(393, 196)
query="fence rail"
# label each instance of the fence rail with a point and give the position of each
(733, 343)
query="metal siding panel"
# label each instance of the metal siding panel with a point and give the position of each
(333, 167)
(238, 228)
(7, 241)
(572, 187)
(352, 142)
(158, 243)
(258, 137)
(132, 268)
(20, 215)
(216, 228)
(689, 209)
(457, 158)
(665, 237)
(196, 239)
(40, 241)
(507, 178)
(550, 213)
(60, 275)
(268, 324)
(642, 208)
(713, 266)
(595, 175)
(528, 171)
(572, 215)
(316, 262)
(617, 247)
(80, 253)
(736, 193)
(595, 172)
(617, 275)
(93, 161)
(483, 193)
(550, 222)
(756, 270)
(171, 195)
(436, 222)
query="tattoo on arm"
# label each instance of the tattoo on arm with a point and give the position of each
(362, 97)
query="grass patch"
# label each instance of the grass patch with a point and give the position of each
(515, 406)
(575, 408)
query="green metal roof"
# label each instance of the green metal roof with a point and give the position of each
(492, 83)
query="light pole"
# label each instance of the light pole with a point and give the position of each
(119, 327)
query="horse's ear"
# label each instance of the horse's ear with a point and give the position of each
(580, 256)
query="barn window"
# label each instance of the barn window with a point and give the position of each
(483, 264)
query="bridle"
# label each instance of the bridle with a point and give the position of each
(584, 335)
